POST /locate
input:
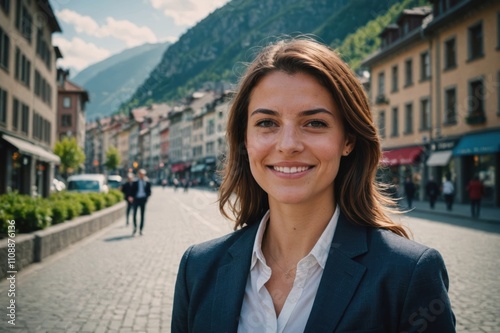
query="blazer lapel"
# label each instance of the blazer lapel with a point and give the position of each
(231, 281)
(340, 277)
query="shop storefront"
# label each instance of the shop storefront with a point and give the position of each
(397, 164)
(440, 161)
(479, 154)
(26, 167)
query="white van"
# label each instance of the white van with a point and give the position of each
(88, 183)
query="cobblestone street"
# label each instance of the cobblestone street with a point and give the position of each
(113, 282)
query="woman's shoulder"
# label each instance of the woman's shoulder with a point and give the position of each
(216, 247)
(398, 247)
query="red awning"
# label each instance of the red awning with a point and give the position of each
(179, 167)
(401, 156)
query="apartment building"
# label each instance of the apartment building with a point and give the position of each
(435, 95)
(71, 101)
(28, 96)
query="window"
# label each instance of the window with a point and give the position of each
(24, 21)
(408, 118)
(5, 5)
(34, 125)
(4, 50)
(498, 31)
(425, 114)
(3, 107)
(394, 78)
(475, 34)
(450, 101)
(211, 127)
(42, 48)
(476, 98)
(425, 66)
(395, 122)
(66, 120)
(15, 114)
(381, 83)
(67, 102)
(23, 68)
(25, 118)
(381, 124)
(408, 72)
(450, 54)
(210, 148)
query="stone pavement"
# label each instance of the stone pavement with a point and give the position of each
(113, 282)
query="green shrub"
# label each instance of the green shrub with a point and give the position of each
(88, 206)
(32, 214)
(59, 211)
(74, 209)
(98, 199)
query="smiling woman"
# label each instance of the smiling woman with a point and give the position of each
(316, 250)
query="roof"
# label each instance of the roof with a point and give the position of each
(139, 114)
(45, 7)
(70, 87)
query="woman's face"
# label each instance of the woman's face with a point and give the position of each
(295, 138)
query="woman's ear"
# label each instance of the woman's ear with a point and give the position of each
(349, 144)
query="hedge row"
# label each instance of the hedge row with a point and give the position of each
(33, 214)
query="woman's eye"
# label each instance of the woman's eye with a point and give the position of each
(317, 123)
(265, 123)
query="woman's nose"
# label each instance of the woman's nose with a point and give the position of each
(289, 140)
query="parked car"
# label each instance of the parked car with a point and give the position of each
(114, 181)
(88, 183)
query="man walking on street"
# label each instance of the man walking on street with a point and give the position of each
(127, 192)
(432, 190)
(448, 192)
(476, 191)
(141, 189)
(409, 191)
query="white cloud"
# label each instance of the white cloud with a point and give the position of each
(78, 53)
(123, 30)
(187, 12)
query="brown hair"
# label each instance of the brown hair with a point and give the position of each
(358, 195)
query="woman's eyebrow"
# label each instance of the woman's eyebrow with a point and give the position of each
(304, 113)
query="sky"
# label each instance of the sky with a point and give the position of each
(93, 30)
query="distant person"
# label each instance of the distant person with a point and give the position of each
(127, 189)
(410, 189)
(448, 193)
(475, 188)
(432, 191)
(176, 184)
(185, 184)
(163, 183)
(141, 193)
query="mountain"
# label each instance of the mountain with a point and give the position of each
(218, 46)
(113, 80)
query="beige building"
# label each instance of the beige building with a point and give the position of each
(435, 95)
(28, 96)
(71, 100)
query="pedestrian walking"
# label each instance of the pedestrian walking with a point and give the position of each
(128, 194)
(315, 249)
(410, 189)
(475, 188)
(448, 193)
(141, 191)
(432, 191)
(176, 184)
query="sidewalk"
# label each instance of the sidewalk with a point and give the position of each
(487, 214)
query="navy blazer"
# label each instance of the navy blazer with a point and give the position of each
(147, 188)
(374, 281)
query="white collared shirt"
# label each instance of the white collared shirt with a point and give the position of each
(141, 193)
(257, 312)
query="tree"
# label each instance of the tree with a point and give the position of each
(71, 155)
(112, 158)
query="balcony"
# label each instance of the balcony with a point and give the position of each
(476, 118)
(381, 99)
